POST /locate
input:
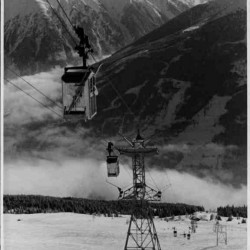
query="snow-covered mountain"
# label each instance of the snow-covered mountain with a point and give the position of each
(35, 39)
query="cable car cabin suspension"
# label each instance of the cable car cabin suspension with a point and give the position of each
(79, 84)
(112, 162)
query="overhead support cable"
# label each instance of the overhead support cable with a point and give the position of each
(62, 22)
(39, 91)
(153, 179)
(124, 102)
(93, 58)
(65, 14)
(33, 98)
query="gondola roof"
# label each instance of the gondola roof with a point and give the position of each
(75, 75)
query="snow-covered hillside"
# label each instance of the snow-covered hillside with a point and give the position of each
(66, 231)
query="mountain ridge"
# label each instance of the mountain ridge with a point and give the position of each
(35, 28)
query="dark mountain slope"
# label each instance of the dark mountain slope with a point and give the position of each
(189, 83)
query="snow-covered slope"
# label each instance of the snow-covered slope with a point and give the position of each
(64, 231)
(35, 39)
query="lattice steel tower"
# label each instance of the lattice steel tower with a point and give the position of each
(141, 231)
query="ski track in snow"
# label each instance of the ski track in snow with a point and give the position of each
(241, 70)
(205, 123)
(136, 90)
(167, 114)
(68, 231)
(191, 28)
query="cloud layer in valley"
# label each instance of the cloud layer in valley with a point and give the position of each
(44, 155)
(87, 178)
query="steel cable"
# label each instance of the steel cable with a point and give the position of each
(33, 98)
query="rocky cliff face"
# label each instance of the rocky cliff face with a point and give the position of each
(35, 39)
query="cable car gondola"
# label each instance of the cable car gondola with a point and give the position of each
(113, 166)
(112, 162)
(79, 93)
(79, 84)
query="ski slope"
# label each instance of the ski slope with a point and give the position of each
(68, 231)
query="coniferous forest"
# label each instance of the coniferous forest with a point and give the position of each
(28, 204)
(232, 211)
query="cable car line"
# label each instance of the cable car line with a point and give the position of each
(65, 14)
(62, 22)
(33, 97)
(71, 23)
(68, 20)
(119, 189)
(170, 184)
(116, 91)
(127, 171)
(93, 58)
(124, 102)
(122, 124)
(39, 91)
(148, 139)
(153, 180)
(165, 187)
(116, 185)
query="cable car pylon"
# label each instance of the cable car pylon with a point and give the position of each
(141, 232)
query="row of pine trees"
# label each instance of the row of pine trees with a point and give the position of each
(28, 204)
(229, 211)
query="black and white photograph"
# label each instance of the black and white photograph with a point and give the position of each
(124, 125)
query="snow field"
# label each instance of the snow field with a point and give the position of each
(68, 231)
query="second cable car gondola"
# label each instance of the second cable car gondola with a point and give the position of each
(112, 161)
(113, 166)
